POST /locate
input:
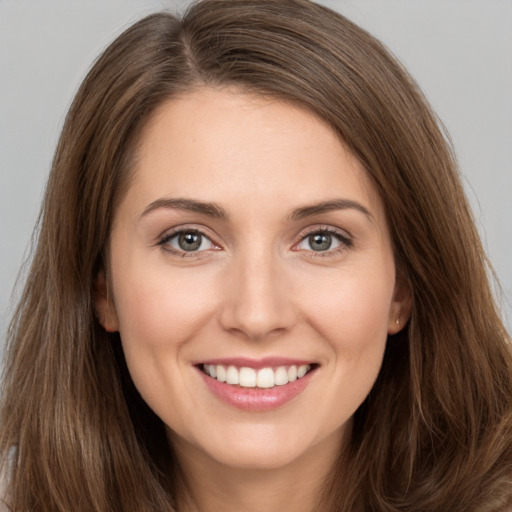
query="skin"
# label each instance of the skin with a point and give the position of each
(256, 288)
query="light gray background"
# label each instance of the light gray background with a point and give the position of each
(460, 51)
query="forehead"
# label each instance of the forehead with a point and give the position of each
(232, 147)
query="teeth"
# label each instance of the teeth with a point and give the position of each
(247, 377)
(212, 370)
(281, 376)
(265, 378)
(221, 373)
(302, 370)
(231, 375)
(251, 378)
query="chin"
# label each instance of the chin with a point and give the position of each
(263, 447)
(256, 458)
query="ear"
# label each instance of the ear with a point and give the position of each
(104, 305)
(401, 305)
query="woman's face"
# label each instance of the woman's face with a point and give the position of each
(250, 247)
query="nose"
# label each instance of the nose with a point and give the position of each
(257, 298)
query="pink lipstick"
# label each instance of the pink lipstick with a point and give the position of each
(256, 385)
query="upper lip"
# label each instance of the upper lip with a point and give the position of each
(266, 362)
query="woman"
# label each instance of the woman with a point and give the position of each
(257, 285)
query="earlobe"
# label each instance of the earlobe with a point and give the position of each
(400, 310)
(104, 305)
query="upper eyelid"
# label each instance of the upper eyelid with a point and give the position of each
(324, 229)
(172, 232)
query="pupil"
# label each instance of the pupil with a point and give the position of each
(189, 241)
(320, 242)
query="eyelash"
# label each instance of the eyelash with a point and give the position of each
(345, 240)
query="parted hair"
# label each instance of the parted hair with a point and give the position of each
(435, 432)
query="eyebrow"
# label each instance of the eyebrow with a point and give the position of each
(189, 205)
(215, 211)
(328, 206)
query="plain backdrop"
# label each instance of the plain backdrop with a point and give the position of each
(460, 52)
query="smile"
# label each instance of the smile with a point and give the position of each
(264, 378)
(256, 386)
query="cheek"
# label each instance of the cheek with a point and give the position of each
(353, 313)
(162, 309)
(353, 320)
(159, 312)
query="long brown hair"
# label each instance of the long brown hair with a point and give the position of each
(435, 433)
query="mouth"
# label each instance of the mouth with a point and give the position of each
(256, 386)
(266, 377)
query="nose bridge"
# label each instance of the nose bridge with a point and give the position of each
(257, 300)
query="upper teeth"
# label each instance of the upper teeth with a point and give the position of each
(251, 378)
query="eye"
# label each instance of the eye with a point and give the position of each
(187, 241)
(324, 240)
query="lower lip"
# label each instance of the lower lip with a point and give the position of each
(256, 399)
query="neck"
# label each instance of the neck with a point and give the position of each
(209, 486)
